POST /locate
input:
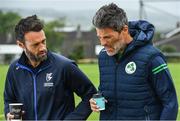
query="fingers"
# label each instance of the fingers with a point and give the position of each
(105, 101)
(10, 116)
(93, 105)
(23, 112)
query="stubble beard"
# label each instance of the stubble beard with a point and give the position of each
(35, 58)
(118, 47)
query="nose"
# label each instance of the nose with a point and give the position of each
(42, 47)
(103, 42)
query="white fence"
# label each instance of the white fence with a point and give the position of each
(10, 49)
(13, 50)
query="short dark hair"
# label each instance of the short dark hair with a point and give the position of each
(30, 23)
(110, 16)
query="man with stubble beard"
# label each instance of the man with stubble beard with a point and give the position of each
(134, 76)
(44, 81)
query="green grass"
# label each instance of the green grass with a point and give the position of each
(175, 69)
(3, 71)
(91, 70)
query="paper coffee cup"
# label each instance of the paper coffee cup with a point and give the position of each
(16, 110)
(100, 102)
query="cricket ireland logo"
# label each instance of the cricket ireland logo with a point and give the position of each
(130, 68)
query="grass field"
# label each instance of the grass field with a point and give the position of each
(91, 70)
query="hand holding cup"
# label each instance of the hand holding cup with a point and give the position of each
(15, 111)
(97, 103)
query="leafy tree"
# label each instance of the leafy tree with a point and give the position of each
(168, 48)
(77, 53)
(8, 21)
(54, 38)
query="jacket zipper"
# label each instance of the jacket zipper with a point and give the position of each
(35, 92)
(34, 86)
(147, 118)
(115, 85)
(35, 96)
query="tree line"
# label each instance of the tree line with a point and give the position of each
(8, 20)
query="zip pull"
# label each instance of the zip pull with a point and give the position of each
(147, 118)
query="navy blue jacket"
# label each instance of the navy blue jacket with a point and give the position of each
(138, 85)
(47, 91)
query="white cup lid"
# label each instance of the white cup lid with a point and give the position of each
(15, 104)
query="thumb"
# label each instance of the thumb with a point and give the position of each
(23, 112)
(105, 101)
(10, 116)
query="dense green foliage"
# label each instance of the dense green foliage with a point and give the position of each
(168, 48)
(8, 21)
(77, 53)
(54, 38)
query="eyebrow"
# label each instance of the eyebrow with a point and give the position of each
(39, 42)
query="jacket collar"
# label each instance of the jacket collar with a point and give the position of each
(23, 60)
(142, 33)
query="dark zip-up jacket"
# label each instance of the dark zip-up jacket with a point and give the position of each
(47, 91)
(138, 86)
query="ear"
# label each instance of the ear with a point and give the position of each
(125, 28)
(20, 44)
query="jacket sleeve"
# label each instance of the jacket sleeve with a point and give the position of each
(9, 95)
(82, 86)
(164, 88)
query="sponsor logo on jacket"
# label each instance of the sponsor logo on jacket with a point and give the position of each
(48, 82)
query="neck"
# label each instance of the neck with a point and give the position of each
(129, 39)
(33, 63)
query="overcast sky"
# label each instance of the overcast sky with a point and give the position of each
(168, 5)
(170, 9)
